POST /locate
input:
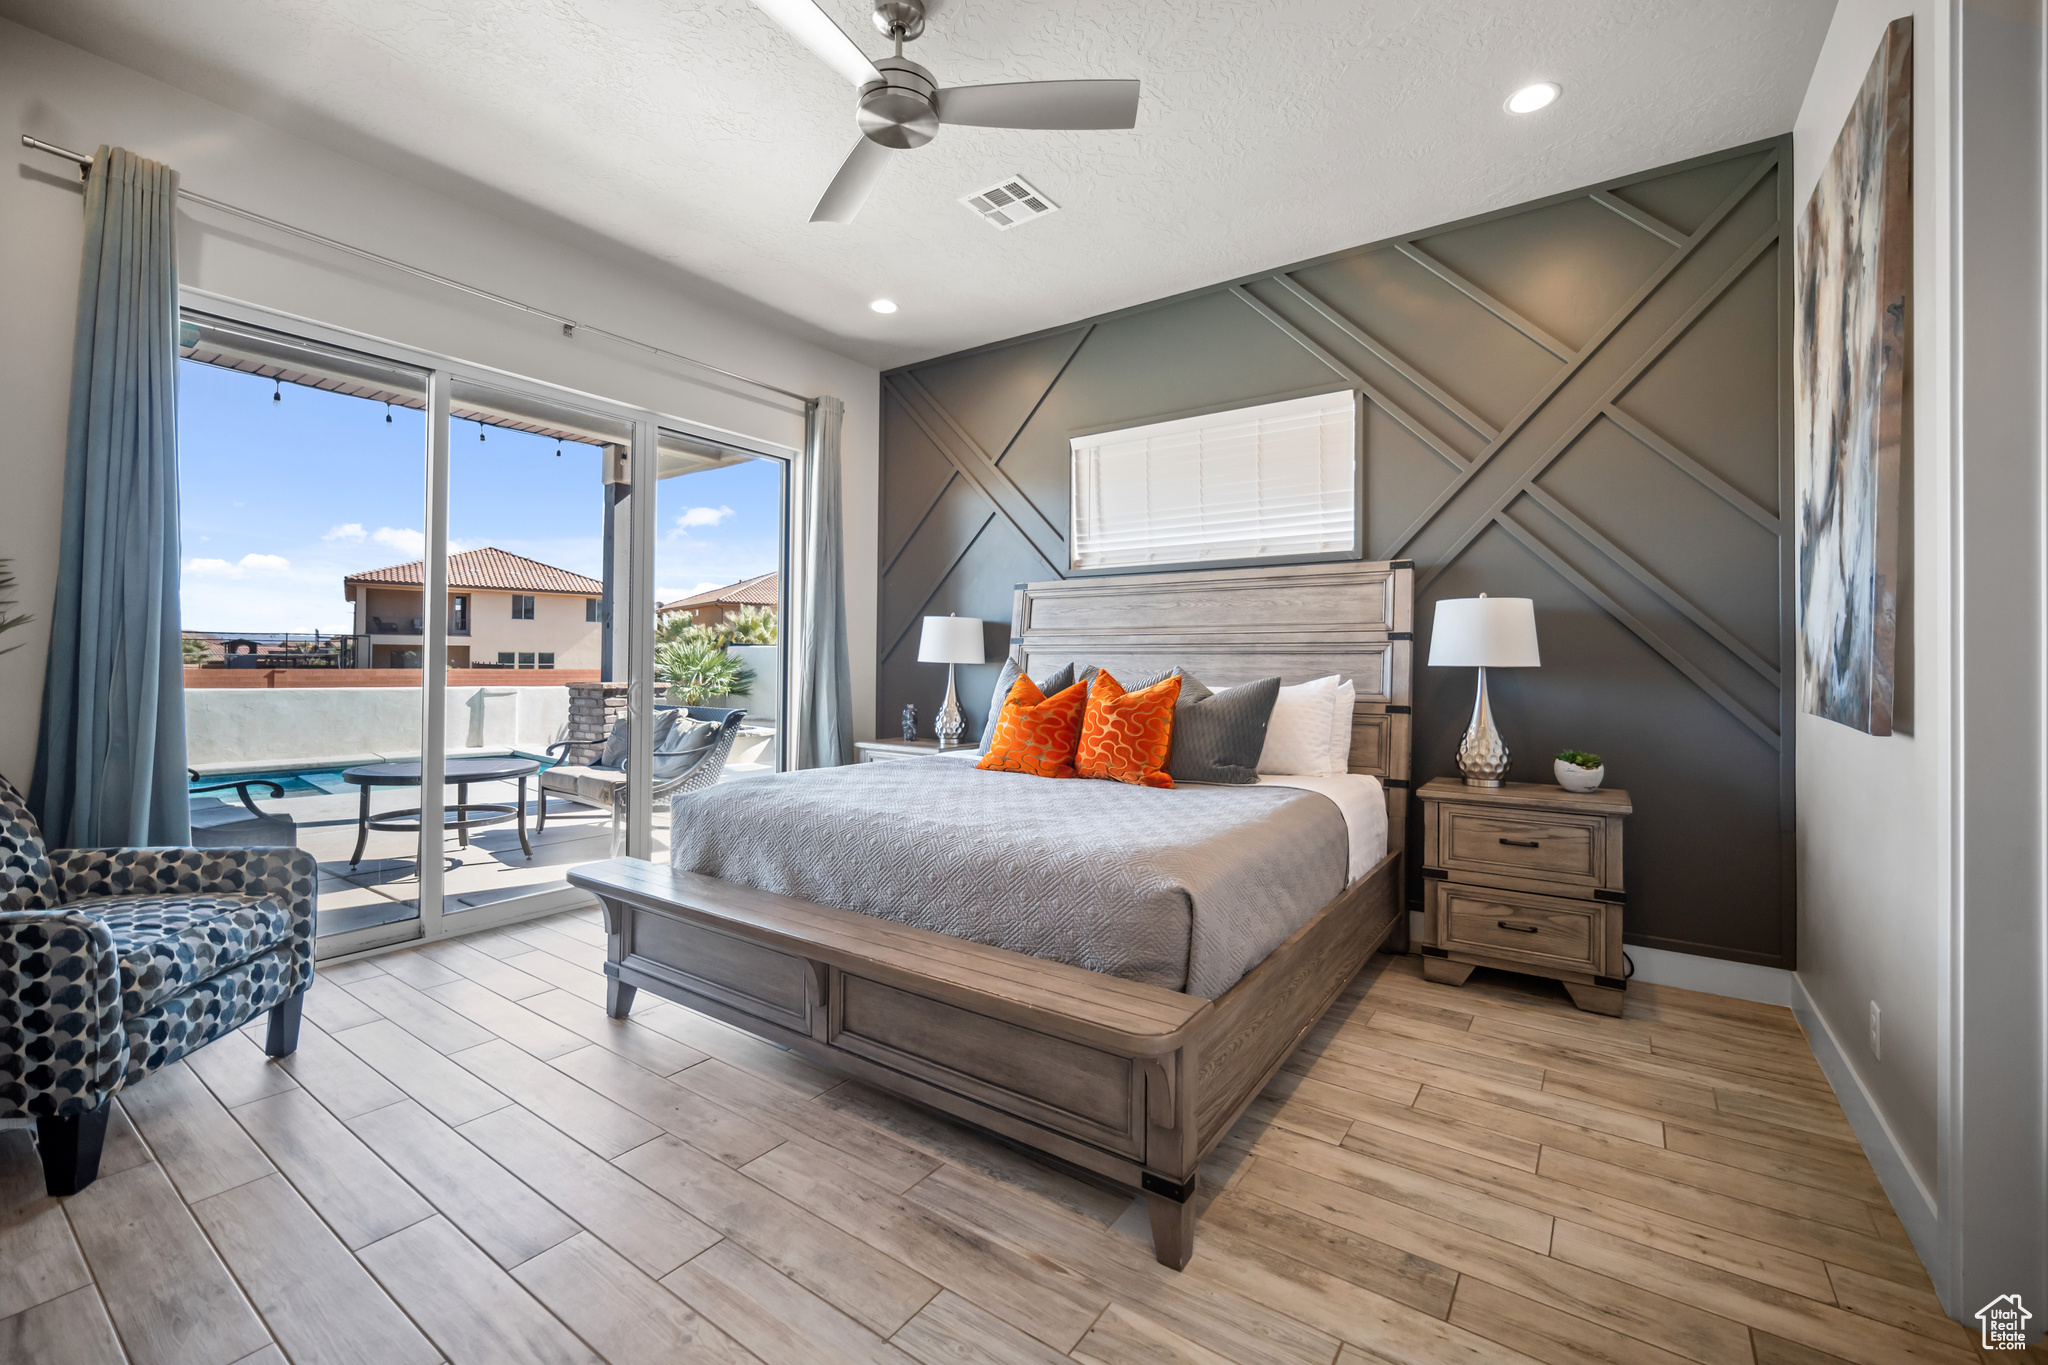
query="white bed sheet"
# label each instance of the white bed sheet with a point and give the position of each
(1362, 802)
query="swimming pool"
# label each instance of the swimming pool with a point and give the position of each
(312, 781)
(295, 782)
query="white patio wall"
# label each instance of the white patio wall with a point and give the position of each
(238, 728)
(766, 661)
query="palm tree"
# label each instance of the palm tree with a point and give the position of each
(196, 651)
(698, 670)
(673, 627)
(7, 586)
(751, 626)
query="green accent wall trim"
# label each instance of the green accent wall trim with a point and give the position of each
(1585, 400)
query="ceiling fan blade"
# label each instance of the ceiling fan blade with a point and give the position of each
(1042, 104)
(808, 25)
(856, 180)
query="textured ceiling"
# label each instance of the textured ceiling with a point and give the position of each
(699, 135)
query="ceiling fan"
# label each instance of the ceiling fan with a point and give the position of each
(900, 105)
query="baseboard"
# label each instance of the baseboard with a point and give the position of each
(1911, 1200)
(1713, 975)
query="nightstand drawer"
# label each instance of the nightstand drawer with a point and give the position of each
(1545, 931)
(1550, 846)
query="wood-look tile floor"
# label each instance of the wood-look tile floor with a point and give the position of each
(467, 1161)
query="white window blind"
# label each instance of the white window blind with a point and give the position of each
(1274, 480)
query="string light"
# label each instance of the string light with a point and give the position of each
(277, 394)
(387, 412)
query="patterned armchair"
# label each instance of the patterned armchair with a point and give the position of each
(117, 961)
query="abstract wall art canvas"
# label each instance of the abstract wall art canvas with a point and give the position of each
(1854, 257)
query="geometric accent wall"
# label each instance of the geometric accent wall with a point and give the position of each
(1584, 400)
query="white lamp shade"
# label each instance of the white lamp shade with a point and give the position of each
(1484, 632)
(950, 640)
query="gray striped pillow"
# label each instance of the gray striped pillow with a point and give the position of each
(1217, 736)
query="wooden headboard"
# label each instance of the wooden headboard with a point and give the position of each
(1230, 626)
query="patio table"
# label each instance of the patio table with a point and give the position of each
(468, 815)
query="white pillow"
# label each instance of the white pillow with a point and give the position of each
(1298, 735)
(1340, 729)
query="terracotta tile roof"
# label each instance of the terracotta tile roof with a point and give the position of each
(490, 570)
(765, 591)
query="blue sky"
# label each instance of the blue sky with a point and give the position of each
(280, 499)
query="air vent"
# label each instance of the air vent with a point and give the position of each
(1007, 203)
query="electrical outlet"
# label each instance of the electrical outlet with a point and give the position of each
(1875, 1050)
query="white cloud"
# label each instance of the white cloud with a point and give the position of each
(401, 538)
(348, 530)
(700, 516)
(703, 587)
(220, 568)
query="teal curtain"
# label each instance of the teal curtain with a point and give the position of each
(823, 733)
(110, 768)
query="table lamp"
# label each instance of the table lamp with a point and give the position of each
(950, 640)
(1484, 632)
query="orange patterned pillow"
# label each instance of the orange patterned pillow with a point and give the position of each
(1125, 735)
(1036, 734)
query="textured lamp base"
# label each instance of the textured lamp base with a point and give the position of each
(1483, 754)
(950, 727)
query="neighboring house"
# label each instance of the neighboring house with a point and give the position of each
(713, 605)
(502, 609)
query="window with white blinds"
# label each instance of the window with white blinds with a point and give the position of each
(1278, 480)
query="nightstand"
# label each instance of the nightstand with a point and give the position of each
(877, 750)
(1527, 877)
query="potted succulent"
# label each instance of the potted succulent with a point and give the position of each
(1579, 771)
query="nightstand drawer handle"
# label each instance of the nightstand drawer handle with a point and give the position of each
(1518, 928)
(1521, 843)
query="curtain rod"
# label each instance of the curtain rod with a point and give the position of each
(569, 325)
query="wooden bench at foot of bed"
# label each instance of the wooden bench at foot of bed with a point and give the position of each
(1135, 1082)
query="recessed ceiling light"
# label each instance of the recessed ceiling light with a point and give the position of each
(883, 305)
(1530, 98)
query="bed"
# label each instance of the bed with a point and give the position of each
(1116, 1071)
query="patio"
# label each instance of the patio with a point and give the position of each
(384, 887)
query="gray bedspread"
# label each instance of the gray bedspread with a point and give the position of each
(1187, 889)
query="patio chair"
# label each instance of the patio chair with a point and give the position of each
(684, 761)
(116, 962)
(216, 824)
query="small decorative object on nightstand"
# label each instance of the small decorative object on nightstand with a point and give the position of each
(877, 750)
(1579, 771)
(950, 640)
(1524, 876)
(1484, 632)
(910, 721)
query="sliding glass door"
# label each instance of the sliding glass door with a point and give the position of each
(302, 475)
(532, 483)
(421, 599)
(717, 549)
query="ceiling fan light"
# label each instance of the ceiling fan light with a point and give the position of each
(883, 305)
(1530, 98)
